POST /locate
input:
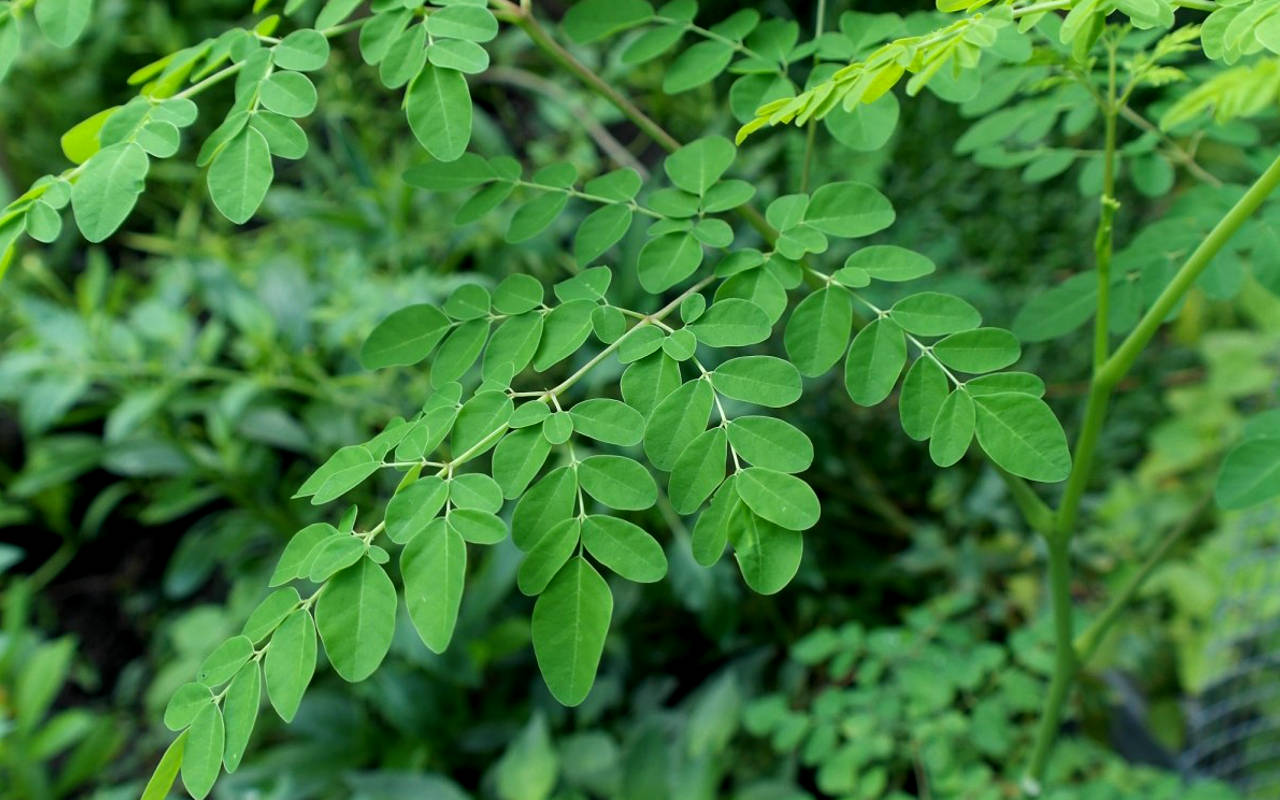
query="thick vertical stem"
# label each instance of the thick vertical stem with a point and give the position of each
(1064, 667)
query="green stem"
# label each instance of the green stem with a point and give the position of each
(1064, 667)
(1034, 510)
(812, 134)
(1122, 360)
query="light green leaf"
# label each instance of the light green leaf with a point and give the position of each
(438, 105)
(10, 47)
(697, 65)
(225, 661)
(602, 229)
(566, 328)
(473, 23)
(240, 175)
(771, 443)
(240, 711)
(291, 94)
(711, 532)
(849, 209)
(618, 482)
(768, 555)
(979, 350)
(1023, 382)
(778, 497)
(344, 470)
(477, 526)
(647, 382)
(886, 262)
(952, 429)
(591, 20)
(667, 260)
(534, 216)
(183, 707)
(547, 556)
(295, 561)
(934, 314)
(459, 351)
(1022, 435)
(166, 773)
(1250, 473)
(517, 460)
(481, 419)
(62, 21)
(624, 548)
(108, 188)
(620, 185)
(865, 127)
(285, 138)
(763, 380)
(434, 568)
(608, 420)
(517, 294)
(676, 421)
(303, 50)
(271, 612)
(405, 337)
(697, 166)
(475, 490)
(923, 392)
(547, 502)
(290, 663)
(464, 56)
(356, 617)
(818, 331)
(202, 754)
(333, 555)
(570, 622)
(698, 470)
(514, 344)
(1059, 310)
(732, 322)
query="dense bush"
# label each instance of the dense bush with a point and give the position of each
(483, 355)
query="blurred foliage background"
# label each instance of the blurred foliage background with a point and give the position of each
(162, 396)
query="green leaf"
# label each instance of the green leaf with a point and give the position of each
(763, 380)
(849, 209)
(472, 23)
(517, 293)
(698, 470)
(680, 344)
(10, 47)
(697, 65)
(1022, 435)
(438, 105)
(1023, 382)
(547, 502)
(602, 229)
(185, 704)
(468, 301)
(818, 331)
(607, 420)
(711, 532)
(202, 754)
(334, 12)
(778, 497)
(952, 429)
(480, 419)
(651, 44)
(62, 21)
(271, 612)
(570, 622)
(592, 20)
(44, 223)
(344, 470)
(240, 711)
(225, 661)
(768, 555)
(290, 662)
(470, 170)
(517, 460)
(514, 344)
(356, 617)
(667, 260)
(459, 351)
(589, 284)
(303, 50)
(620, 185)
(624, 548)
(676, 421)
(477, 526)
(647, 382)
(886, 262)
(697, 166)
(979, 350)
(166, 773)
(732, 322)
(534, 216)
(291, 94)
(1059, 310)
(771, 443)
(618, 482)
(285, 138)
(547, 556)
(566, 328)
(333, 555)
(934, 314)
(295, 561)
(865, 127)
(475, 490)
(108, 188)
(434, 568)
(240, 176)
(464, 56)
(405, 337)
(923, 392)
(1250, 473)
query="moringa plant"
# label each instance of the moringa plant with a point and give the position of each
(508, 443)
